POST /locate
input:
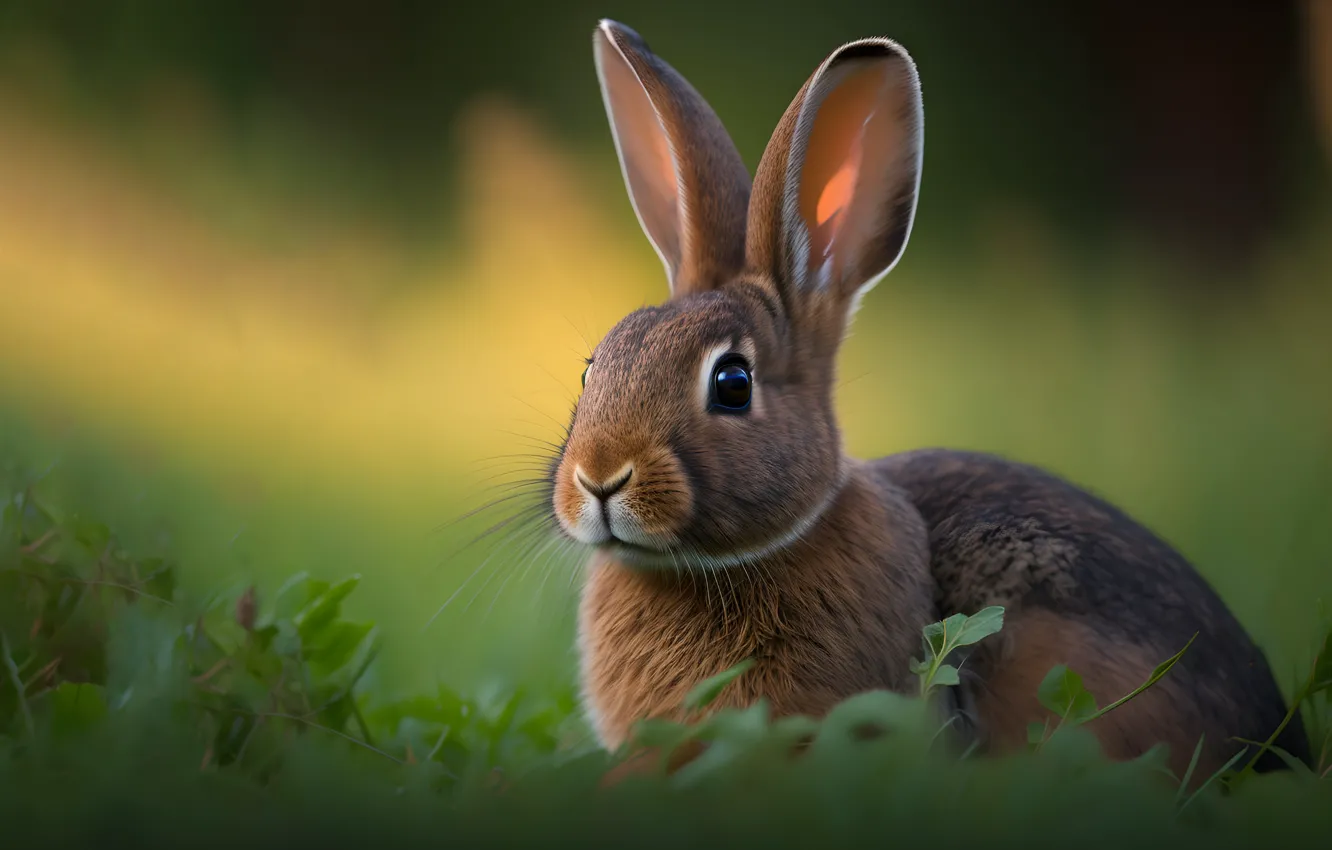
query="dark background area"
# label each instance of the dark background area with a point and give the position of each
(1190, 124)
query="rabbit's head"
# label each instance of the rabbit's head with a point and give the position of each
(705, 434)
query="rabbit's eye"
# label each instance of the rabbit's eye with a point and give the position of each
(731, 386)
(584, 378)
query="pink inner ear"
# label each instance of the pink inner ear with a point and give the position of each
(835, 199)
(837, 194)
(667, 164)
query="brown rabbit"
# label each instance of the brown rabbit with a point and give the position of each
(704, 461)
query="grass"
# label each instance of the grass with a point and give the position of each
(135, 708)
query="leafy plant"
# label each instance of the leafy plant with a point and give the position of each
(247, 676)
(942, 639)
(1063, 693)
(1317, 683)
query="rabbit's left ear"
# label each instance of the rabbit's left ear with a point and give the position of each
(836, 191)
(688, 185)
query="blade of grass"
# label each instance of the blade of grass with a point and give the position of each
(1203, 787)
(1188, 774)
(1157, 675)
(18, 686)
(1294, 709)
(1291, 762)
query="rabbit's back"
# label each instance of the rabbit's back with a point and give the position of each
(1086, 585)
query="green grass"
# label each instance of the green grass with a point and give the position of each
(171, 712)
(230, 531)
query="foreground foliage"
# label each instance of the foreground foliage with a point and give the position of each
(128, 709)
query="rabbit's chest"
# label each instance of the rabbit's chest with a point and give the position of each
(645, 640)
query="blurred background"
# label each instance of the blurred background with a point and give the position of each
(288, 285)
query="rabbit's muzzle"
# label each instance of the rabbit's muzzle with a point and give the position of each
(637, 500)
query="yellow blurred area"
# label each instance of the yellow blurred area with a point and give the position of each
(124, 304)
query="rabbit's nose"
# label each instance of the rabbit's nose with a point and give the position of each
(607, 488)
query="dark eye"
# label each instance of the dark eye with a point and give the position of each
(731, 386)
(585, 370)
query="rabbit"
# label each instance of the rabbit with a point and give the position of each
(704, 464)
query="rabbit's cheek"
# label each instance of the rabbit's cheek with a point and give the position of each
(657, 503)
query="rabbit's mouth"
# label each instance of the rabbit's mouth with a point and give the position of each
(635, 553)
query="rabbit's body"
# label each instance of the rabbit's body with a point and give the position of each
(912, 537)
(1085, 585)
(704, 461)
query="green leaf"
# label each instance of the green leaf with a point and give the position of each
(942, 638)
(498, 718)
(337, 645)
(1156, 758)
(76, 706)
(662, 734)
(1295, 764)
(936, 635)
(874, 712)
(1036, 732)
(946, 676)
(160, 578)
(731, 735)
(1063, 693)
(706, 691)
(978, 626)
(741, 726)
(93, 535)
(960, 630)
(1073, 745)
(286, 640)
(1322, 675)
(1157, 674)
(293, 595)
(446, 708)
(324, 608)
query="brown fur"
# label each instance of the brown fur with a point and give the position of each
(1034, 641)
(707, 247)
(726, 535)
(649, 636)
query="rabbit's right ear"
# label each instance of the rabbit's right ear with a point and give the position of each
(687, 183)
(836, 189)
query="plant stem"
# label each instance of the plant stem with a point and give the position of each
(1285, 721)
(18, 686)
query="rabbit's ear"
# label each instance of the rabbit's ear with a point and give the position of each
(836, 190)
(687, 183)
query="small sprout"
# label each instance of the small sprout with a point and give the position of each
(942, 638)
(706, 691)
(1063, 693)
